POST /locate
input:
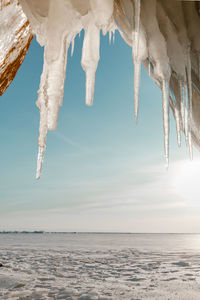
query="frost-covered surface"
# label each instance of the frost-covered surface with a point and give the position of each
(164, 35)
(100, 266)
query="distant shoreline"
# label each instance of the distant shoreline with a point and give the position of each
(86, 232)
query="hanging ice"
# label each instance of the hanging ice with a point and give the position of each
(90, 59)
(169, 47)
(165, 106)
(98, 18)
(136, 51)
(178, 130)
(139, 53)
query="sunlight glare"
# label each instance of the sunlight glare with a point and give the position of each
(186, 180)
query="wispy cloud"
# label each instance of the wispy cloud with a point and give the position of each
(69, 141)
(137, 197)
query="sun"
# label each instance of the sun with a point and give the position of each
(186, 180)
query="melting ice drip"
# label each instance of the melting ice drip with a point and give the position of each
(169, 47)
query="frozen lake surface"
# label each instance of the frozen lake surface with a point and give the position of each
(100, 266)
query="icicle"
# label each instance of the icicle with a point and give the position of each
(40, 158)
(49, 96)
(189, 80)
(137, 71)
(149, 68)
(90, 59)
(72, 47)
(188, 106)
(113, 36)
(137, 62)
(186, 126)
(165, 105)
(42, 105)
(182, 103)
(138, 55)
(186, 115)
(110, 37)
(42, 137)
(137, 26)
(64, 66)
(90, 84)
(178, 131)
(56, 82)
(189, 83)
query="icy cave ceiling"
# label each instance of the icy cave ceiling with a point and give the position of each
(164, 36)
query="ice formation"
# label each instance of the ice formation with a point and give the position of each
(164, 35)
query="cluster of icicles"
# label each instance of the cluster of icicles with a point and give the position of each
(164, 35)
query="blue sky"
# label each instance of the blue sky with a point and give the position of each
(101, 171)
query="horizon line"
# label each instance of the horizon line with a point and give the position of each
(86, 232)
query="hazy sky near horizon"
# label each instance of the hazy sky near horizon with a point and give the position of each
(101, 171)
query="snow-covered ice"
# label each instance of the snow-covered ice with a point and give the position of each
(100, 266)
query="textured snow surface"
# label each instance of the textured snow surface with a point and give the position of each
(99, 266)
(164, 35)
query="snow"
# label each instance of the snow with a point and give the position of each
(100, 266)
(168, 45)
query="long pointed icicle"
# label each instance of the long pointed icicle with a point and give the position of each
(72, 47)
(113, 37)
(64, 66)
(178, 131)
(48, 102)
(182, 104)
(40, 159)
(165, 106)
(137, 71)
(137, 62)
(42, 105)
(189, 82)
(137, 25)
(56, 79)
(41, 141)
(186, 115)
(138, 59)
(149, 67)
(90, 59)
